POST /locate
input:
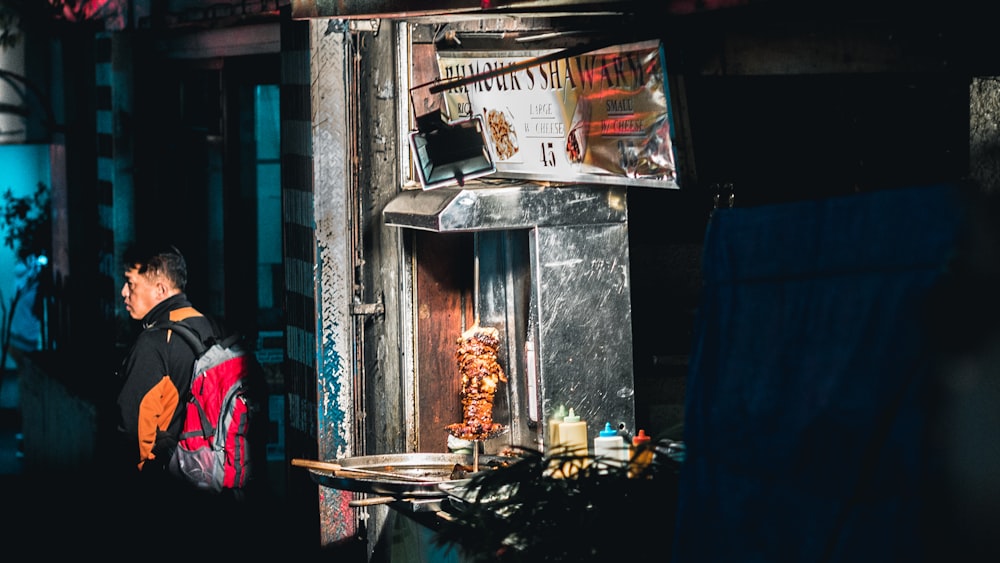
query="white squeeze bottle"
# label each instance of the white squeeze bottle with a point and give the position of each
(608, 446)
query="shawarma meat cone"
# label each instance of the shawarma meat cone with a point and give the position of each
(476, 358)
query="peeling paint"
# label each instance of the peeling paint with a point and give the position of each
(332, 271)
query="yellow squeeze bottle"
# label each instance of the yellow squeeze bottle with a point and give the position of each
(573, 442)
(553, 431)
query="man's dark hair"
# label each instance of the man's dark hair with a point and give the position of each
(165, 260)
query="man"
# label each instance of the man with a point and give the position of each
(157, 370)
(156, 377)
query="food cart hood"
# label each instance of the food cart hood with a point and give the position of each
(577, 254)
(511, 206)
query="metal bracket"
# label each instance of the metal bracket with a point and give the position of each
(371, 25)
(368, 309)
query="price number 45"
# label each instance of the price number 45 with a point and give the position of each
(548, 155)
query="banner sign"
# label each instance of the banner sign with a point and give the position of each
(601, 117)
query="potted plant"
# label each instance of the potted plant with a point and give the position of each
(527, 511)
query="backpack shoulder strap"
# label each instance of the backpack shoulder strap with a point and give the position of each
(187, 333)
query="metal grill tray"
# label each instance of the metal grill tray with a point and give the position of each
(431, 469)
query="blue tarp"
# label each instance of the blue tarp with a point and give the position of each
(805, 402)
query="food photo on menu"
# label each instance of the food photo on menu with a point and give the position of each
(601, 116)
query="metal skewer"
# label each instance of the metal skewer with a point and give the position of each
(475, 455)
(475, 287)
(475, 314)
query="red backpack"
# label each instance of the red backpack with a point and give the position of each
(213, 448)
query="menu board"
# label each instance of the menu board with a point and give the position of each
(602, 116)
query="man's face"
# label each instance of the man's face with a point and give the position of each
(141, 293)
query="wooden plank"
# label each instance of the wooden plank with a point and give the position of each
(444, 308)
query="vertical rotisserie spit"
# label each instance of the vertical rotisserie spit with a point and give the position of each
(476, 358)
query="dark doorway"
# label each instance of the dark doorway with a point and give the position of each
(208, 176)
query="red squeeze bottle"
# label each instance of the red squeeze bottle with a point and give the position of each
(642, 454)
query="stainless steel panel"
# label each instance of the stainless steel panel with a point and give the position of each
(504, 303)
(581, 278)
(509, 206)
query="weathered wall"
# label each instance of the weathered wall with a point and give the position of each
(984, 132)
(331, 272)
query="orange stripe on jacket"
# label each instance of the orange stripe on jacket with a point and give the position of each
(155, 413)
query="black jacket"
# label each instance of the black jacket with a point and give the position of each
(156, 375)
